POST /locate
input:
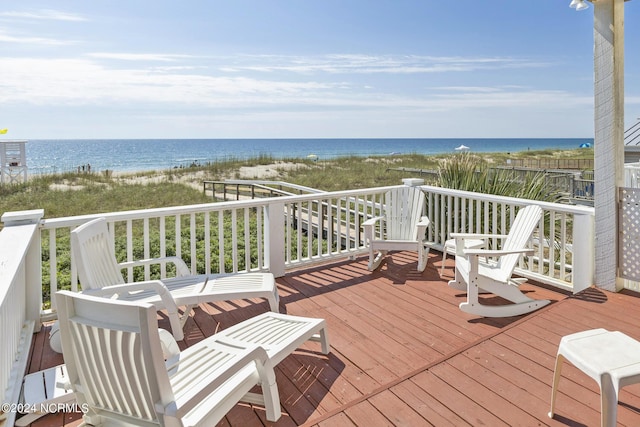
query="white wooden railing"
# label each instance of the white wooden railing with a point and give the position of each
(282, 233)
(20, 301)
(565, 236)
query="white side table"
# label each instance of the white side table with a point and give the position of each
(612, 359)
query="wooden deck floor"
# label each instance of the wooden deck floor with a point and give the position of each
(404, 354)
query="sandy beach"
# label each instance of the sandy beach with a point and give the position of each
(193, 179)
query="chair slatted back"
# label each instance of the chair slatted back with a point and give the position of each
(93, 252)
(403, 208)
(113, 357)
(519, 235)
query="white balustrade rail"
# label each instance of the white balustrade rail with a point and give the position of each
(273, 234)
(282, 233)
(20, 301)
(564, 239)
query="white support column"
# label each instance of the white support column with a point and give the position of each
(609, 135)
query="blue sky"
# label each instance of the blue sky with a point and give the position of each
(302, 69)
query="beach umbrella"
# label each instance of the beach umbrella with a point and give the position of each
(585, 145)
(312, 156)
(462, 147)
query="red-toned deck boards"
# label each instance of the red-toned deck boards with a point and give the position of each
(402, 353)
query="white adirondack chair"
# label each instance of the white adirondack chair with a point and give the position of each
(100, 274)
(119, 376)
(402, 227)
(495, 277)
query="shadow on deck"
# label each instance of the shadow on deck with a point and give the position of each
(404, 354)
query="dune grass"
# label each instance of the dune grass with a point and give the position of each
(71, 194)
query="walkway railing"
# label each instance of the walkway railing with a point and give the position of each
(240, 189)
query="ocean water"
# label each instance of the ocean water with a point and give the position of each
(54, 156)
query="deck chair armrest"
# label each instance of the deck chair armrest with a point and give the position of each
(424, 222)
(155, 286)
(478, 236)
(372, 221)
(181, 266)
(460, 239)
(218, 376)
(496, 252)
(422, 226)
(369, 226)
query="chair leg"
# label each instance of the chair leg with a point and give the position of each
(457, 282)
(324, 341)
(608, 402)
(374, 262)
(521, 303)
(423, 258)
(186, 314)
(270, 395)
(271, 401)
(556, 380)
(444, 259)
(323, 338)
(274, 302)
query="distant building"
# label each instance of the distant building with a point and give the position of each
(632, 143)
(13, 162)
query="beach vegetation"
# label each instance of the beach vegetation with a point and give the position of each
(71, 194)
(469, 172)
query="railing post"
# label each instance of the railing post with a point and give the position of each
(583, 251)
(274, 238)
(413, 182)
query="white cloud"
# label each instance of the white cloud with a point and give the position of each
(138, 56)
(370, 64)
(73, 81)
(7, 38)
(43, 14)
(193, 89)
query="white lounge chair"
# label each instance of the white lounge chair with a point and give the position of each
(495, 277)
(100, 274)
(117, 371)
(402, 227)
